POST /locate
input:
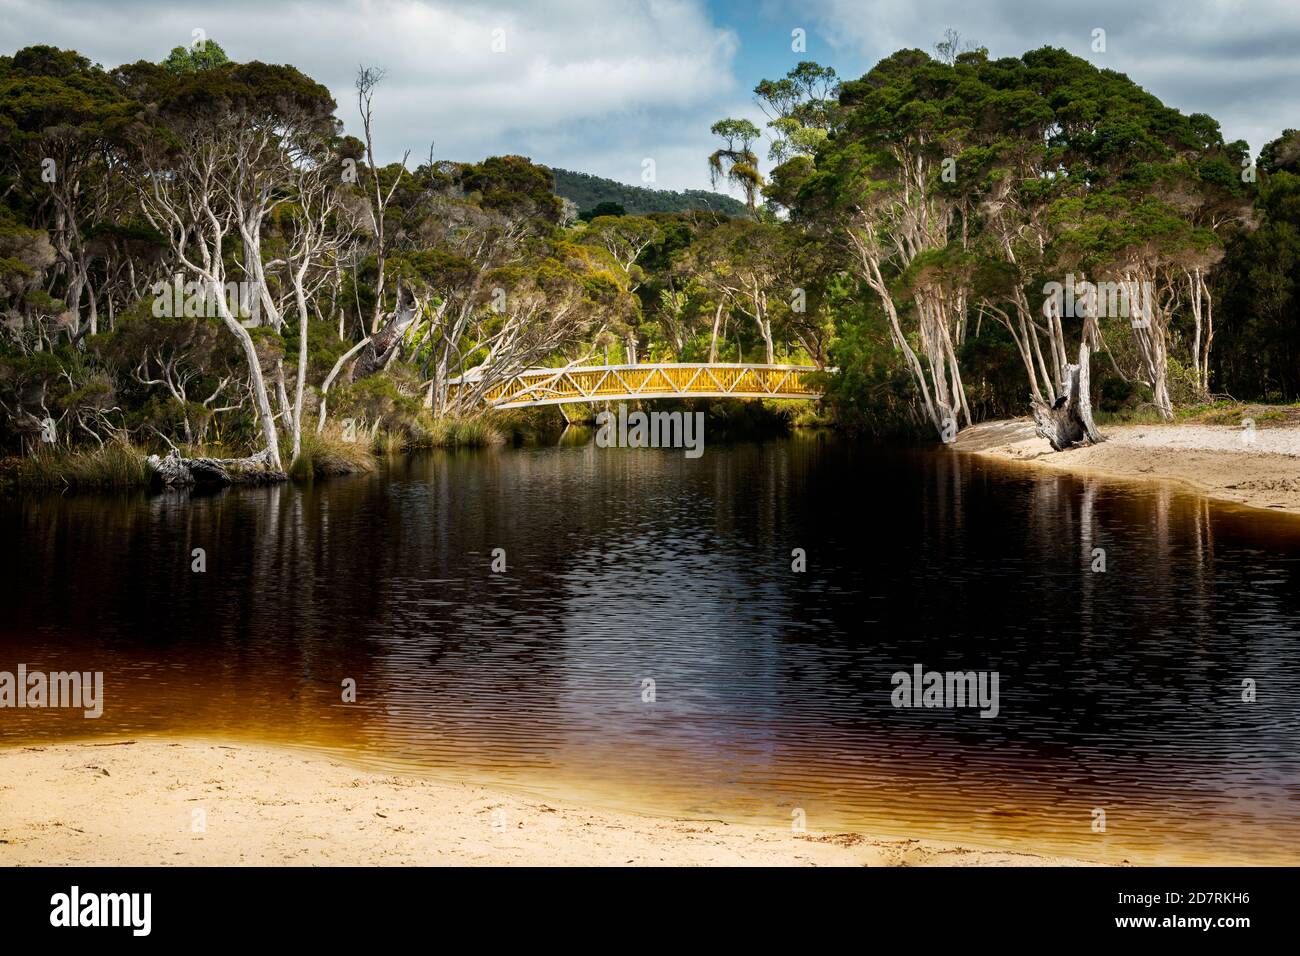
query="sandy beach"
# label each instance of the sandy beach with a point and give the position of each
(134, 802)
(1261, 470)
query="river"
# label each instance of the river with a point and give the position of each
(648, 644)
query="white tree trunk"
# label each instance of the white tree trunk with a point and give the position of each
(1068, 422)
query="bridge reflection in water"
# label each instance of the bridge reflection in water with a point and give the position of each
(591, 383)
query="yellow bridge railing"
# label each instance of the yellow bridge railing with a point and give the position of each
(598, 383)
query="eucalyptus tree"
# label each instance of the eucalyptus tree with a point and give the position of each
(755, 250)
(877, 185)
(802, 109)
(320, 227)
(552, 308)
(673, 319)
(981, 183)
(60, 115)
(202, 54)
(625, 239)
(707, 270)
(380, 194)
(189, 357)
(937, 184)
(478, 223)
(1212, 188)
(212, 168)
(807, 266)
(1003, 180)
(735, 159)
(486, 285)
(1258, 284)
(761, 271)
(1146, 191)
(954, 45)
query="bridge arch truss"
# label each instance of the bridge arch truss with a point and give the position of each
(601, 383)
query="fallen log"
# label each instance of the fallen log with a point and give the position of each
(1068, 421)
(173, 471)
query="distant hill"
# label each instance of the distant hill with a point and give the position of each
(586, 191)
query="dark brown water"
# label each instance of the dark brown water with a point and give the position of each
(1118, 690)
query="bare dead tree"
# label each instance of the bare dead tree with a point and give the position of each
(1068, 421)
(367, 79)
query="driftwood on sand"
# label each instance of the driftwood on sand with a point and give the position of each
(173, 471)
(1068, 422)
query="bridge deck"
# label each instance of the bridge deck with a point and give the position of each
(598, 383)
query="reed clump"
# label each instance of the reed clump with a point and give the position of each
(116, 466)
(457, 433)
(330, 454)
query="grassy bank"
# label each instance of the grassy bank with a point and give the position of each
(332, 453)
(122, 467)
(114, 467)
(322, 456)
(1220, 412)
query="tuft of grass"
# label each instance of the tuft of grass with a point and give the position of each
(387, 444)
(475, 433)
(328, 454)
(1145, 415)
(114, 467)
(458, 433)
(526, 426)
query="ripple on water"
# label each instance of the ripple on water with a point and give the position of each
(1119, 691)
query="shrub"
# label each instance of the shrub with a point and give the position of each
(328, 454)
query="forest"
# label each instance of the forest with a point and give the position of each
(197, 259)
(592, 193)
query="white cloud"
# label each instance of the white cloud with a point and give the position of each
(639, 76)
(600, 85)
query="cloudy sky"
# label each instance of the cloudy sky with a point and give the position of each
(602, 85)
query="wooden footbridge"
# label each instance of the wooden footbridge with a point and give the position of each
(602, 383)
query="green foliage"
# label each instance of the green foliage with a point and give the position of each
(871, 392)
(1116, 394)
(588, 192)
(514, 186)
(802, 109)
(376, 400)
(994, 375)
(1258, 338)
(603, 208)
(323, 349)
(1282, 155)
(735, 161)
(204, 55)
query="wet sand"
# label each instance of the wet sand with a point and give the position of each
(1259, 469)
(152, 802)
